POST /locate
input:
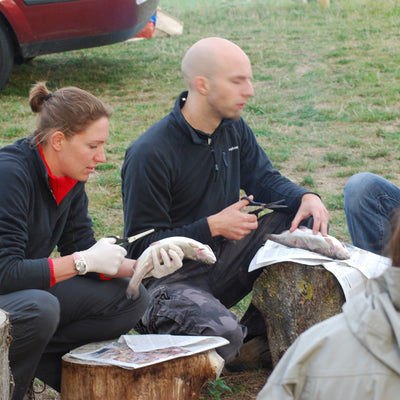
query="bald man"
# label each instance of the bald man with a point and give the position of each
(183, 177)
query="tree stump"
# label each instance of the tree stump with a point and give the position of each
(6, 381)
(291, 298)
(177, 379)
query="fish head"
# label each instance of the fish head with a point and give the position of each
(204, 253)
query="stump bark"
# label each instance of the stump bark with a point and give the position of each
(6, 381)
(177, 379)
(291, 298)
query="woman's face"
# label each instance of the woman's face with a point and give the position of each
(79, 156)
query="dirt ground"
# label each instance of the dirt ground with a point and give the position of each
(243, 385)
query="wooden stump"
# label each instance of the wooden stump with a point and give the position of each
(291, 298)
(6, 381)
(177, 379)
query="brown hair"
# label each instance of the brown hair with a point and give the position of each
(69, 110)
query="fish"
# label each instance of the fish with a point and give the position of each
(192, 249)
(304, 238)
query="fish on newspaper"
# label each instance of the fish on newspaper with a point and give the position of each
(192, 249)
(304, 238)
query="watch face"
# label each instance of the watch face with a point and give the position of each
(80, 266)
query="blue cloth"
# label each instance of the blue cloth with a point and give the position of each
(369, 203)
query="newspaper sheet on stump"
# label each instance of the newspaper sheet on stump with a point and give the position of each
(352, 273)
(137, 351)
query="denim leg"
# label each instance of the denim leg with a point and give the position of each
(369, 204)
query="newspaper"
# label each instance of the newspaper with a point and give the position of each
(138, 351)
(352, 274)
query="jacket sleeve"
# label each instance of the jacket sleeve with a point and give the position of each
(24, 252)
(147, 184)
(17, 272)
(259, 178)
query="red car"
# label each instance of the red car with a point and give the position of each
(29, 28)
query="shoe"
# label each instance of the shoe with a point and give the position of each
(254, 354)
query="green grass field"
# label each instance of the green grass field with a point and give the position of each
(326, 80)
(327, 85)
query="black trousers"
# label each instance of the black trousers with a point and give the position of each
(46, 324)
(195, 300)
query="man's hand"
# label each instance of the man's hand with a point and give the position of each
(231, 223)
(311, 205)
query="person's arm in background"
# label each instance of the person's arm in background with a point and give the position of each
(267, 184)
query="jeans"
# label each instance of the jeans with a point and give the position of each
(370, 202)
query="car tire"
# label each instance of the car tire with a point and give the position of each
(6, 55)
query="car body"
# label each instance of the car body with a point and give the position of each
(29, 28)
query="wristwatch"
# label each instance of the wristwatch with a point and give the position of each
(80, 264)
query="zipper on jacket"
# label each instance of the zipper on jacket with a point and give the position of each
(216, 167)
(224, 159)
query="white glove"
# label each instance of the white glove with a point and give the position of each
(104, 257)
(165, 263)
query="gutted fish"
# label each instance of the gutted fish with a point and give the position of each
(192, 249)
(304, 238)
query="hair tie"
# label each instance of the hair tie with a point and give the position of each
(48, 96)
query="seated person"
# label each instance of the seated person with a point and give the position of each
(183, 177)
(56, 304)
(353, 355)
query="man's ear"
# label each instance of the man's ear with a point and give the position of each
(202, 85)
(57, 140)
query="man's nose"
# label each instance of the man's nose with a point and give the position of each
(249, 90)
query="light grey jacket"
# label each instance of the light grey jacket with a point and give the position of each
(353, 355)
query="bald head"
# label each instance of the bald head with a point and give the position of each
(209, 55)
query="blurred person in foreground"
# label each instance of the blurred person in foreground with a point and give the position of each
(370, 202)
(184, 175)
(353, 355)
(56, 304)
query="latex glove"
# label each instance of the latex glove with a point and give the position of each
(104, 257)
(165, 263)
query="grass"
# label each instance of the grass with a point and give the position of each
(327, 102)
(326, 81)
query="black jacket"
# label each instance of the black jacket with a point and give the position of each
(174, 177)
(32, 225)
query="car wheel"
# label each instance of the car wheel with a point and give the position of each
(6, 55)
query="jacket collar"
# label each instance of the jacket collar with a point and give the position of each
(196, 136)
(59, 186)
